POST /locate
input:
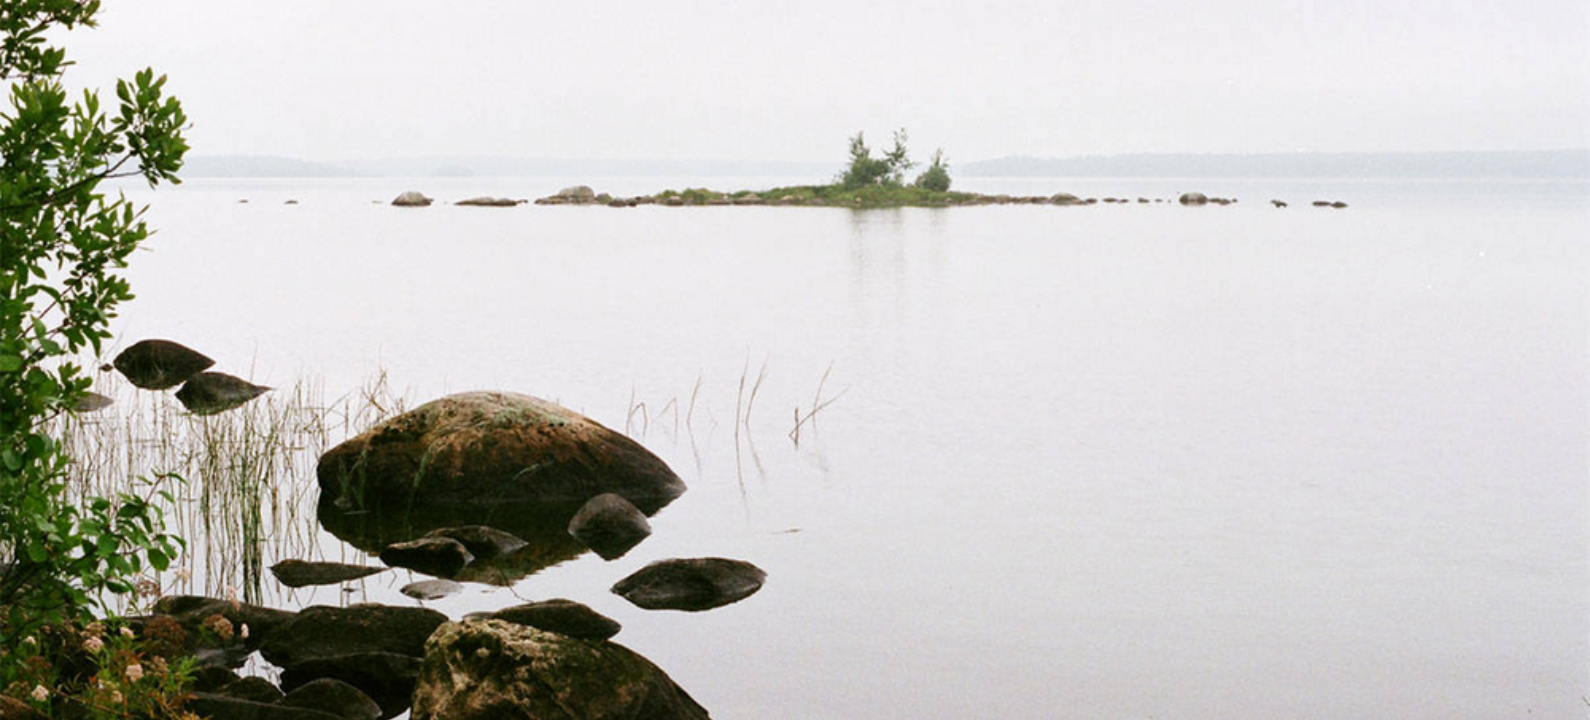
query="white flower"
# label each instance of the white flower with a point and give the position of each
(116, 698)
(243, 632)
(127, 632)
(93, 644)
(135, 672)
(40, 693)
(29, 640)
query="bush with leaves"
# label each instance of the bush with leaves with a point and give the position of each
(937, 175)
(62, 244)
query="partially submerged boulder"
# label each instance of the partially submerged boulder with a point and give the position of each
(160, 364)
(439, 556)
(564, 617)
(1066, 199)
(609, 525)
(411, 199)
(209, 393)
(481, 541)
(387, 678)
(322, 632)
(493, 670)
(489, 448)
(692, 584)
(334, 696)
(301, 573)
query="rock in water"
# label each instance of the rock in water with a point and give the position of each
(564, 617)
(411, 199)
(299, 573)
(325, 632)
(484, 449)
(442, 557)
(487, 202)
(160, 364)
(387, 678)
(430, 589)
(333, 696)
(694, 584)
(1193, 198)
(1066, 199)
(493, 670)
(209, 393)
(610, 525)
(483, 542)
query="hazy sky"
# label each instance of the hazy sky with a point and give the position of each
(351, 79)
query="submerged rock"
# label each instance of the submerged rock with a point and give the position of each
(333, 696)
(564, 617)
(493, 670)
(322, 632)
(442, 557)
(609, 525)
(695, 584)
(488, 202)
(1193, 198)
(411, 199)
(209, 393)
(431, 589)
(300, 573)
(160, 364)
(542, 533)
(485, 449)
(483, 542)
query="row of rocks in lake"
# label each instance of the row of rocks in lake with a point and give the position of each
(163, 364)
(584, 195)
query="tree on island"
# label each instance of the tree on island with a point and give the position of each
(888, 171)
(62, 244)
(937, 175)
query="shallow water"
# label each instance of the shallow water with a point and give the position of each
(1114, 461)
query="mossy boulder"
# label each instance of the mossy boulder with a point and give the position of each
(493, 669)
(482, 449)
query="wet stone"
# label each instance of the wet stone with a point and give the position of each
(160, 364)
(301, 573)
(209, 393)
(691, 584)
(564, 617)
(609, 525)
(431, 589)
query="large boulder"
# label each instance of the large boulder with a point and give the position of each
(609, 525)
(482, 449)
(160, 364)
(490, 669)
(321, 632)
(693, 584)
(209, 393)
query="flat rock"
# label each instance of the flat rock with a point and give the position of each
(691, 584)
(564, 617)
(488, 202)
(160, 364)
(483, 542)
(302, 573)
(322, 631)
(439, 556)
(493, 670)
(209, 393)
(330, 695)
(431, 589)
(609, 525)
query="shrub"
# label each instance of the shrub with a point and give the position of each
(937, 175)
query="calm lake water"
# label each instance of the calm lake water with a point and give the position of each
(1136, 461)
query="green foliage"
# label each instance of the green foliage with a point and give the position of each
(62, 243)
(937, 175)
(865, 170)
(99, 672)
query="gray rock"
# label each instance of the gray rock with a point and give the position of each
(1066, 199)
(321, 632)
(482, 450)
(492, 670)
(488, 202)
(330, 695)
(481, 541)
(694, 584)
(411, 199)
(579, 194)
(160, 364)
(609, 525)
(209, 393)
(1193, 198)
(431, 589)
(300, 573)
(442, 557)
(564, 617)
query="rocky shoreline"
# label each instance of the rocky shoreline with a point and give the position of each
(831, 196)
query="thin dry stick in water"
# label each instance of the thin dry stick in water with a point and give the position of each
(760, 376)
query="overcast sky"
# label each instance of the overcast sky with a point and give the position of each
(349, 79)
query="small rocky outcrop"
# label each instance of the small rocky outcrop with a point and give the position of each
(330, 695)
(209, 393)
(387, 678)
(301, 573)
(577, 195)
(485, 449)
(609, 525)
(481, 541)
(431, 589)
(1193, 198)
(488, 202)
(692, 584)
(322, 632)
(564, 617)
(439, 556)
(412, 199)
(1278, 203)
(160, 364)
(1066, 199)
(499, 671)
